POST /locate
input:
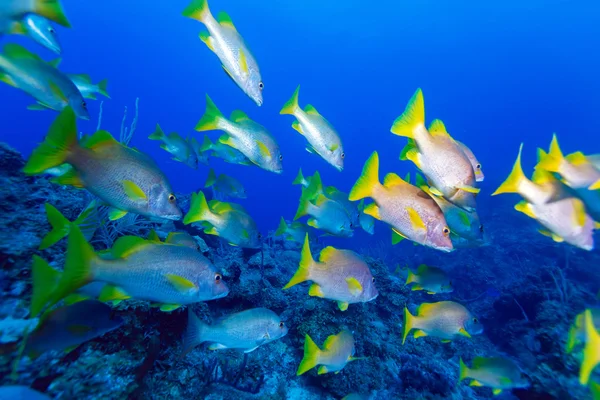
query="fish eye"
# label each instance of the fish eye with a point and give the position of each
(172, 198)
(373, 279)
(478, 166)
(481, 228)
(280, 157)
(446, 231)
(475, 320)
(218, 277)
(50, 29)
(281, 324)
(259, 236)
(83, 104)
(343, 155)
(261, 85)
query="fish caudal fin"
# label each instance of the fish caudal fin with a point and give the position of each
(102, 88)
(411, 277)
(158, 134)
(44, 281)
(292, 104)
(211, 179)
(553, 159)
(311, 356)
(199, 210)
(53, 10)
(369, 179)
(194, 333)
(282, 228)
(60, 227)
(591, 352)
(206, 144)
(412, 117)
(463, 372)
(409, 320)
(514, 180)
(306, 262)
(299, 180)
(198, 10)
(60, 141)
(210, 119)
(310, 193)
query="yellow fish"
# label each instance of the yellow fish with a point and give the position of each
(338, 350)
(496, 372)
(431, 279)
(591, 351)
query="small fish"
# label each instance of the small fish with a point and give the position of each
(245, 135)
(181, 150)
(51, 88)
(437, 154)
(473, 160)
(225, 185)
(16, 10)
(39, 29)
(88, 222)
(245, 330)
(182, 239)
(87, 88)
(445, 320)
(301, 180)
(296, 231)
(227, 220)
(321, 136)
(202, 156)
(342, 198)
(224, 40)
(339, 275)
(67, 327)
(338, 350)
(124, 178)
(431, 279)
(18, 392)
(224, 152)
(498, 373)
(411, 212)
(576, 335)
(367, 222)
(591, 351)
(167, 274)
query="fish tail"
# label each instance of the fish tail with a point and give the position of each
(158, 134)
(463, 371)
(53, 10)
(102, 88)
(206, 144)
(308, 194)
(306, 262)
(292, 104)
(198, 10)
(60, 227)
(211, 179)
(412, 117)
(199, 210)
(282, 228)
(514, 180)
(571, 340)
(311, 356)
(591, 352)
(194, 334)
(44, 279)
(210, 119)
(411, 277)
(368, 180)
(553, 160)
(299, 178)
(409, 321)
(60, 141)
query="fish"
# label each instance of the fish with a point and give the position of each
(563, 217)
(202, 156)
(16, 10)
(180, 149)
(411, 212)
(224, 152)
(19, 392)
(301, 180)
(321, 135)
(51, 88)
(338, 350)
(39, 29)
(436, 154)
(296, 231)
(245, 330)
(223, 39)
(225, 185)
(182, 238)
(479, 176)
(229, 221)
(431, 279)
(445, 320)
(250, 138)
(339, 275)
(87, 89)
(591, 351)
(498, 373)
(88, 222)
(461, 223)
(124, 178)
(576, 335)
(367, 222)
(331, 192)
(66, 327)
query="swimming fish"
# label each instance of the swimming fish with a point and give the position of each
(301, 180)
(124, 178)
(498, 373)
(224, 40)
(88, 222)
(167, 274)
(182, 238)
(87, 89)
(577, 331)
(224, 152)
(245, 330)
(473, 160)
(66, 327)
(331, 192)
(39, 29)
(225, 185)
(436, 154)
(51, 88)
(591, 351)
(367, 222)
(249, 137)
(181, 150)
(339, 275)
(321, 136)
(18, 392)
(16, 10)
(411, 212)
(338, 350)
(431, 279)
(445, 320)
(229, 221)
(296, 231)
(202, 156)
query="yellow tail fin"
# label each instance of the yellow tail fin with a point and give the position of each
(52, 9)
(591, 352)
(211, 179)
(210, 119)
(368, 180)
(463, 371)
(198, 10)
(299, 180)
(282, 228)
(411, 277)
(44, 281)
(306, 262)
(311, 356)
(199, 210)
(552, 161)
(512, 183)
(60, 227)
(412, 117)
(408, 324)
(310, 193)
(292, 104)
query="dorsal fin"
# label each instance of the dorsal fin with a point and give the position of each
(310, 109)
(238, 115)
(225, 20)
(392, 180)
(16, 51)
(99, 139)
(437, 128)
(127, 245)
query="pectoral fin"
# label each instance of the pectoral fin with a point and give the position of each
(415, 219)
(58, 92)
(243, 62)
(133, 191)
(182, 284)
(354, 286)
(114, 214)
(264, 150)
(463, 332)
